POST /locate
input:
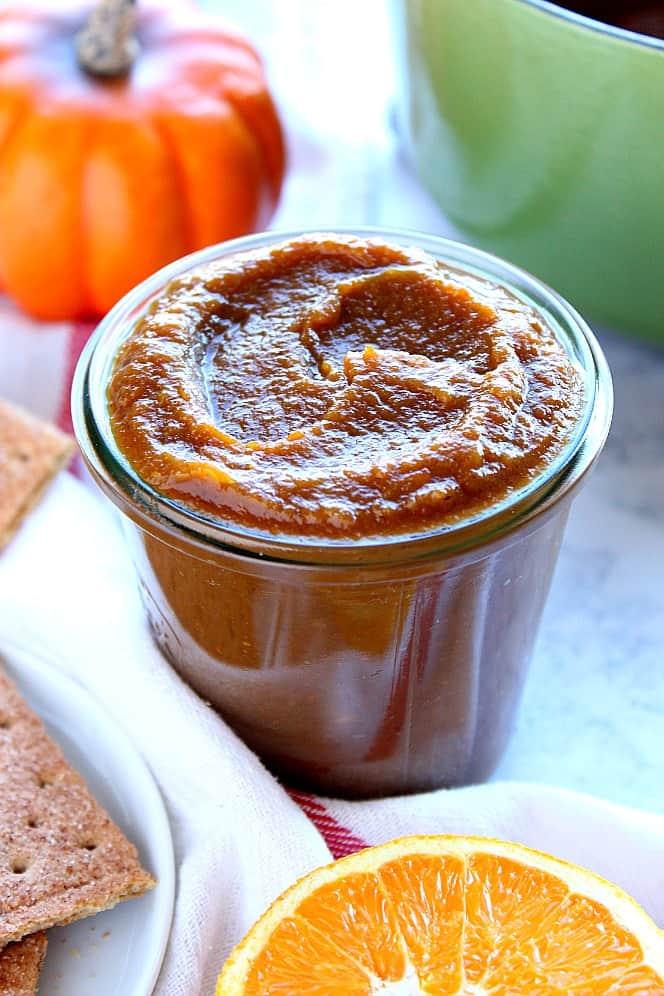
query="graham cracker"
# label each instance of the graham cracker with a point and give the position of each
(61, 856)
(31, 454)
(20, 964)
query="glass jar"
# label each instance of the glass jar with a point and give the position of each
(360, 668)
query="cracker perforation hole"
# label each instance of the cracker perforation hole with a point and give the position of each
(89, 845)
(19, 866)
(5, 723)
(33, 822)
(44, 781)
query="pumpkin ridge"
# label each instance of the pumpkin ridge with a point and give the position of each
(13, 127)
(171, 146)
(130, 169)
(86, 307)
(18, 118)
(269, 141)
(26, 272)
(84, 220)
(229, 173)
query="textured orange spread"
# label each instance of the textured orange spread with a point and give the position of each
(339, 387)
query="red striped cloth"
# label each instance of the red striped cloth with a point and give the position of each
(340, 840)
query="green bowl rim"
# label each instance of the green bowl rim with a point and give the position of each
(590, 23)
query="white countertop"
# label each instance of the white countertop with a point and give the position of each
(593, 712)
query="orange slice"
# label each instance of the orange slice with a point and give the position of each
(446, 915)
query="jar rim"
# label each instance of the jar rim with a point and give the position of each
(123, 485)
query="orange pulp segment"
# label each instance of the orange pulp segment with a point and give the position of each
(449, 915)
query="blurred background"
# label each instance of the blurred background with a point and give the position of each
(332, 68)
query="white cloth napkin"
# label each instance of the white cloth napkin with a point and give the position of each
(67, 590)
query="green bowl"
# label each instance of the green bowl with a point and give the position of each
(541, 134)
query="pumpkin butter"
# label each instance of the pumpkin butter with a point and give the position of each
(340, 388)
(358, 424)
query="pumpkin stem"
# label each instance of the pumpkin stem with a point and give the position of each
(106, 45)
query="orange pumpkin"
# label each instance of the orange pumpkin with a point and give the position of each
(105, 178)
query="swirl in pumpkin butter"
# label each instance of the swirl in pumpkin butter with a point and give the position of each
(339, 388)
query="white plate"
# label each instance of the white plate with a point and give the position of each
(117, 953)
